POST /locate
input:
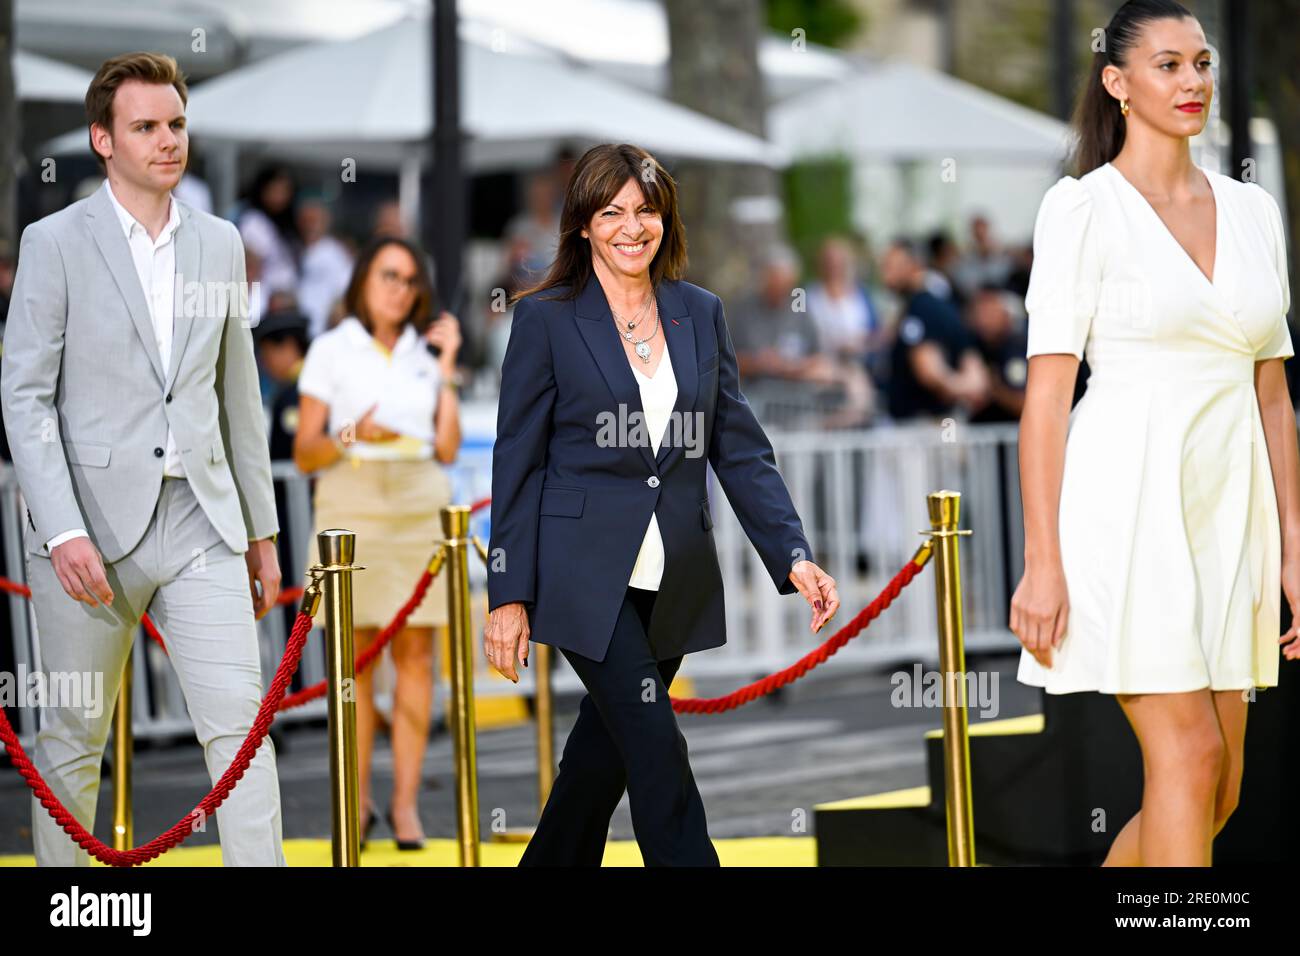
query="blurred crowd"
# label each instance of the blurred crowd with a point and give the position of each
(931, 328)
(924, 328)
(927, 329)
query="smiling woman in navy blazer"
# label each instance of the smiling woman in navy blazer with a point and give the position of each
(619, 384)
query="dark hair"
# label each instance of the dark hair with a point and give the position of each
(282, 219)
(147, 67)
(597, 177)
(938, 243)
(907, 245)
(354, 300)
(1099, 126)
(286, 335)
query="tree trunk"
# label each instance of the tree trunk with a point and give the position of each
(732, 211)
(1276, 37)
(8, 135)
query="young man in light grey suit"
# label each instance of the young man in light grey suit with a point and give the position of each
(131, 401)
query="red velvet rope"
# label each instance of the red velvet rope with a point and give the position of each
(276, 701)
(272, 704)
(750, 692)
(367, 657)
(205, 808)
(298, 698)
(288, 596)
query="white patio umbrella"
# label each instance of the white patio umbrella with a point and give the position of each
(368, 99)
(592, 32)
(901, 112)
(48, 81)
(87, 32)
(241, 31)
(927, 150)
(375, 89)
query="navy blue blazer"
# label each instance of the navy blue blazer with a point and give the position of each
(570, 508)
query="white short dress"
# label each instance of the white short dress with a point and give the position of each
(1169, 529)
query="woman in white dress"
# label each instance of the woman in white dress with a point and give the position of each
(1162, 514)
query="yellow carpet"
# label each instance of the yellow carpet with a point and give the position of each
(756, 851)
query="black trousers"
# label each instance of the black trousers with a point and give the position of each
(625, 737)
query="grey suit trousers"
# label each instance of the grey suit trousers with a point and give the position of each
(195, 587)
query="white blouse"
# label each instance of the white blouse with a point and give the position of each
(658, 396)
(348, 370)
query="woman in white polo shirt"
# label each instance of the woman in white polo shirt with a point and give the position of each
(379, 416)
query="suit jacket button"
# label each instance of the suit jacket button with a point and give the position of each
(652, 481)
(169, 396)
(157, 452)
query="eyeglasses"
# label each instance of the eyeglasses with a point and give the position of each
(391, 278)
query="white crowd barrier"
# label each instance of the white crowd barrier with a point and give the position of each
(862, 497)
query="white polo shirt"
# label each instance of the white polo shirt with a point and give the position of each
(348, 370)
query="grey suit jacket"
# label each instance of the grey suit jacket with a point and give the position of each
(87, 402)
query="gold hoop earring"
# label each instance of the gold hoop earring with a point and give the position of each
(1123, 107)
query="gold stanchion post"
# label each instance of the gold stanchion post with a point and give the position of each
(455, 528)
(544, 711)
(123, 745)
(945, 512)
(545, 723)
(337, 548)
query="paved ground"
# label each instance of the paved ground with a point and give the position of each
(826, 739)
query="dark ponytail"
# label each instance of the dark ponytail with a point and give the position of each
(1099, 125)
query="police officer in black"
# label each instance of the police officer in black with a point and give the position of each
(280, 339)
(1003, 348)
(935, 365)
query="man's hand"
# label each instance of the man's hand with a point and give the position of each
(263, 566)
(80, 569)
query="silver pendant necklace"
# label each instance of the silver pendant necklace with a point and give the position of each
(640, 313)
(641, 345)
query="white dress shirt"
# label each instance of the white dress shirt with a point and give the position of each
(349, 370)
(658, 395)
(842, 323)
(155, 265)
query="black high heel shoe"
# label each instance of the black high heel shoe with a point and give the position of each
(403, 844)
(366, 827)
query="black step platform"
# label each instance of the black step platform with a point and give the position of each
(1054, 788)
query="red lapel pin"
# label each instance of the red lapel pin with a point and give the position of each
(675, 322)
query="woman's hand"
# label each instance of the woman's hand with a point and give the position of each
(1039, 610)
(818, 589)
(505, 638)
(444, 332)
(367, 430)
(1291, 588)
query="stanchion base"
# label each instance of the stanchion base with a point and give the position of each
(514, 835)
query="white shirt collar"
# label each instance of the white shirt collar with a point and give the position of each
(357, 332)
(129, 222)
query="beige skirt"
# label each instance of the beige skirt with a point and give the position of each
(393, 506)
